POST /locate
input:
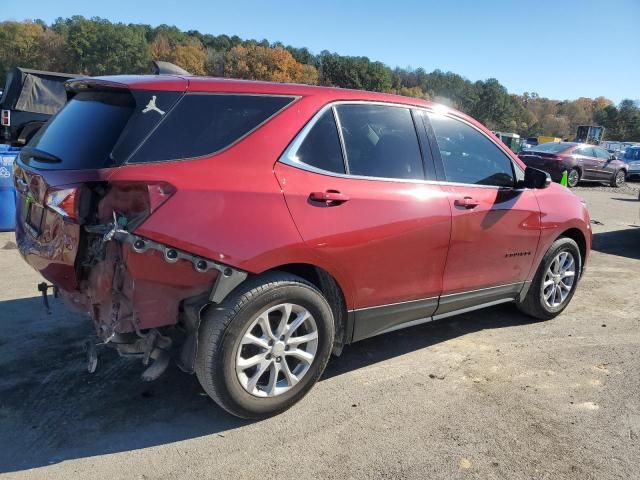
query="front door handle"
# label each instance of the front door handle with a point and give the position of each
(330, 198)
(466, 202)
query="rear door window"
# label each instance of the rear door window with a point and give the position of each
(380, 141)
(203, 124)
(321, 146)
(468, 156)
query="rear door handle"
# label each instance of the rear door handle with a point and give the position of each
(466, 202)
(329, 198)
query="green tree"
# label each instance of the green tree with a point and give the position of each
(256, 62)
(30, 45)
(354, 72)
(99, 47)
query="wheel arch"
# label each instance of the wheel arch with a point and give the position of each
(579, 168)
(577, 236)
(333, 292)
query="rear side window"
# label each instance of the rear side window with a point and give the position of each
(202, 124)
(83, 134)
(586, 151)
(321, 146)
(468, 156)
(380, 141)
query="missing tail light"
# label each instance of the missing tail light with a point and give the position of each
(158, 194)
(64, 202)
(133, 202)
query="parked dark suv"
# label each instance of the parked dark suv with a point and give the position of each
(581, 161)
(249, 229)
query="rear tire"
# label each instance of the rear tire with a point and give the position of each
(573, 178)
(543, 303)
(234, 335)
(618, 178)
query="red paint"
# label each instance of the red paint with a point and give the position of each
(390, 238)
(501, 222)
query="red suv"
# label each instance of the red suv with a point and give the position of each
(250, 229)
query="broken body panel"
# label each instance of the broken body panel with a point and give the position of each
(99, 268)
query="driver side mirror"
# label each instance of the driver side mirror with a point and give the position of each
(534, 178)
(612, 157)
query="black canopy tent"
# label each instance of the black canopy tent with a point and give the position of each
(35, 91)
(31, 97)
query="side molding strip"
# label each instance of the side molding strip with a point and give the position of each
(372, 321)
(375, 320)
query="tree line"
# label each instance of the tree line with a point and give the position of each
(97, 46)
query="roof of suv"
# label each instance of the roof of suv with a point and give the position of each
(231, 85)
(258, 87)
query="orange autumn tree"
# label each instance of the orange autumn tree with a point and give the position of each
(254, 62)
(190, 54)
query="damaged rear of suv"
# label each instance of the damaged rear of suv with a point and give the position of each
(84, 187)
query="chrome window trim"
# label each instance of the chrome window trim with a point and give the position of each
(288, 156)
(343, 146)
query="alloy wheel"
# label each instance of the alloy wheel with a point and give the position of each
(559, 279)
(276, 350)
(573, 178)
(620, 177)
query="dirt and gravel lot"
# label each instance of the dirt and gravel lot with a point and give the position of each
(487, 395)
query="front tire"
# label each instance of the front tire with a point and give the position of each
(265, 346)
(555, 281)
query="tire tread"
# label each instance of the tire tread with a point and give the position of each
(531, 304)
(216, 320)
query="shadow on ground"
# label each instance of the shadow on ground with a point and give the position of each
(624, 243)
(52, 410)
(625, 199)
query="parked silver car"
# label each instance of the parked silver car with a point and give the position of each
(632, 158)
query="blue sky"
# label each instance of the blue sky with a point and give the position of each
(563, 49)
